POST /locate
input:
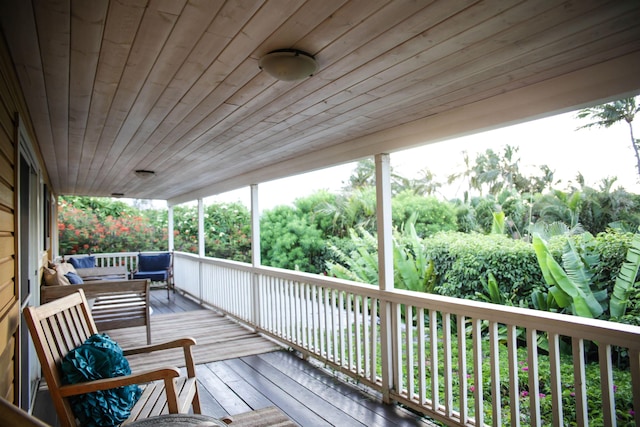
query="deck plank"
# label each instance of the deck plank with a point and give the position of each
(245, 391)
(224, 395)
(283, 399)
(350, 399)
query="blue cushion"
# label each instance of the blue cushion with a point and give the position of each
(156, 276)
(154, 262)
(84, 262)
(99, 357)
(74, 279)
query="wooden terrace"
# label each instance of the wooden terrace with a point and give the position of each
(267, 375)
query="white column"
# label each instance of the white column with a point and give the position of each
(200, 246)
(255, 255)
(255, 227)
(385, 270)
(170, 229)
(383, 214)
(200, 227)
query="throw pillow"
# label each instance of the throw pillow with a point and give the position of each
(65, 267)
(52, 277)
(74, 279)
(97, 358)
(84, 262)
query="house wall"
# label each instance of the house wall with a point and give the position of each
(13, 373)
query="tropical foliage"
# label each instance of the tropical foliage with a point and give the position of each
(606, 115)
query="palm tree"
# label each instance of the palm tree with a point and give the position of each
(364, 175)
(606, 115)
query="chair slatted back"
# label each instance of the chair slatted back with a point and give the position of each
(117, 304)
(57, 328)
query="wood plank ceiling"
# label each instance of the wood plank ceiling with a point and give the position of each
(174, 86)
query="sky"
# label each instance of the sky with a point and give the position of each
(555, 141)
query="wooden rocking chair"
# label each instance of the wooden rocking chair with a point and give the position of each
(62, 325)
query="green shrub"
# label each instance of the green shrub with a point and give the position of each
(289, 241)
(466, 217)
(431, 214)
(484, 208)
(463, 261)
(612, 246)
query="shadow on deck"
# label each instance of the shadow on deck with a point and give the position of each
(307, 394)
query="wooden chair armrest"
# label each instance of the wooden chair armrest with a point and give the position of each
(166, 374)
(181, 342)
(185, 343)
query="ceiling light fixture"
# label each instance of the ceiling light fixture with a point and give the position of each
(288, 64)
(143, 173)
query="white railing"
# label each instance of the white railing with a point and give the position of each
(127, 259)
(489, 364)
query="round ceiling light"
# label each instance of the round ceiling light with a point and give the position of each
(143, 173)
(288, 64)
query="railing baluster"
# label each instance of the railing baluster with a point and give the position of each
(341, 332)
(297, 313)
(353, 330)
(556, 379)
(422, 360)
(328, 332)
(270, 307)
(461, 326)
(477, 370)
(532, 366)
(433, 341)
(288, 310)
(335, 326)
(373, 339)
(514, 386)
(634, 362)
(280, 308)
(358, 332)
(313, 308)
(321, 320)
(494, 355)
(409, 350)
(448, 364)
(396, 346)
(308, 316)
(606, 385)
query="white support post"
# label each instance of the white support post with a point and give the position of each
(255, 255)
(201, 233)
(201, 251)
(170, 228)
(255, 227)
(385, 269)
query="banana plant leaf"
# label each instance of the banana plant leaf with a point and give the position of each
(584, 302)
(562, 299)
(626, 279)
(570, 290)
(542, 253)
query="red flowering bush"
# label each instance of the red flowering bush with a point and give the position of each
(85, 230)
(99, 225)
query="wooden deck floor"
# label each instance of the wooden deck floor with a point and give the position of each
(306, 394)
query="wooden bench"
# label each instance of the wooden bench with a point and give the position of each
(115, 304)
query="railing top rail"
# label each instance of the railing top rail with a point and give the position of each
(101, 255)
